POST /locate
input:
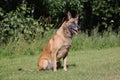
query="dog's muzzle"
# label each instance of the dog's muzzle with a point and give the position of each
(73, 28)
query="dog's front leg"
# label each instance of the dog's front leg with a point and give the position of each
(65, 63)
(54, 60)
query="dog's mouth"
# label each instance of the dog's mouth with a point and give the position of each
(75, 32)
(73, 28)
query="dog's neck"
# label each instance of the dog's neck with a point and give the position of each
(65, 31)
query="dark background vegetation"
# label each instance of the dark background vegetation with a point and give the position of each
(30, 19)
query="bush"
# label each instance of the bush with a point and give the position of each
(60, 7)
(108, 12)
(16, 25)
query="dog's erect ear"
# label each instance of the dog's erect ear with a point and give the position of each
(76, 18)
(69, 16)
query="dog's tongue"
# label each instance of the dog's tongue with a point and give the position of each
(75, 32)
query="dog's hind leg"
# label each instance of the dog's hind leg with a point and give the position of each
(42, 65)
(45, 65)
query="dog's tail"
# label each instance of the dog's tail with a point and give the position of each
(25, 69)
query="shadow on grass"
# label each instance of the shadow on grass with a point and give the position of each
(68, 66)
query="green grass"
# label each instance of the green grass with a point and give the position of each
(90, 58)
(80, 42)
(94, 64)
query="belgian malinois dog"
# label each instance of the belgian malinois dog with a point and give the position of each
(59, 45)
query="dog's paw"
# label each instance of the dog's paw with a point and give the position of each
(65, 69)
(54, 70)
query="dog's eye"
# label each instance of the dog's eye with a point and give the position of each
(73, 24)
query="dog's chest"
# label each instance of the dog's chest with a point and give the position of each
(63, 51)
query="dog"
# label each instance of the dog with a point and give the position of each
(59, 45)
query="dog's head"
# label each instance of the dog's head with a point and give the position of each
(72, 23)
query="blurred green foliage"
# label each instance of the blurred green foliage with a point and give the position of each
(28, 19)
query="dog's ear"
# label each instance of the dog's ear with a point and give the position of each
(69, 16)
(76, 18)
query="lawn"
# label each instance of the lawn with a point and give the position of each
(93, 64)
